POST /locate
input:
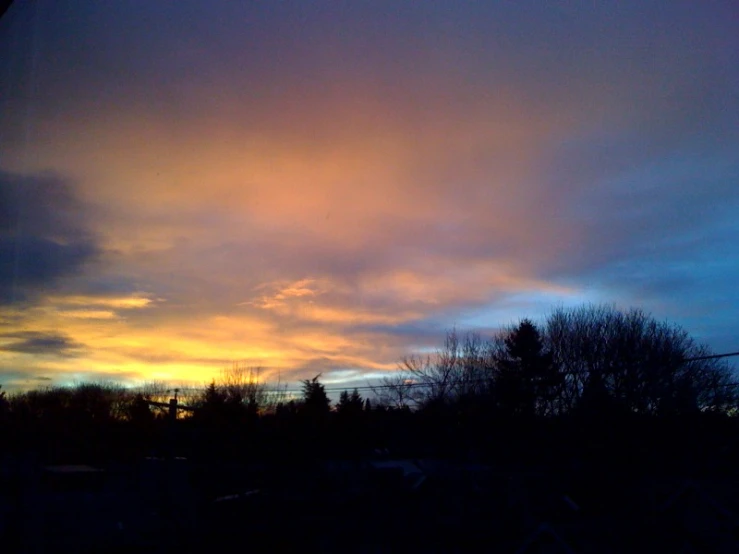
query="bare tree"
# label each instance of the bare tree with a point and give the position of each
(593, 354)
(394, 391)
(243, 384)
(477, 366)
(641, 363)
(461, 367)
(275, 396)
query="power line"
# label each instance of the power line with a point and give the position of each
(466, 382)
(712, 357)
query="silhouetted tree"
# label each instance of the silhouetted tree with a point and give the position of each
(316, 402)
(350, 404)
(4, 404)
(286, 410)
(460, 368)
(213, 396)
(242, 387)
(596, 401)
(640, 363)
(395, 391)
(97, 401)
(138, 411)
(526, 377)
(211, 406)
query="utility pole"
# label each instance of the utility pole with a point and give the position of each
(172, 407)
(179, 512)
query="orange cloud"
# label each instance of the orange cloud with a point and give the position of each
(125, 303)
(297, 230)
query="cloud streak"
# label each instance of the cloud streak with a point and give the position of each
(36, 343)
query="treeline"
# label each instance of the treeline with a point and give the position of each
(584, 376)
(593, 359)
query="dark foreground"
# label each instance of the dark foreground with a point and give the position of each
(374, 504)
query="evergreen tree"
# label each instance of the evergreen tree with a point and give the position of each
(315, 400)
(213, 397)
(4, 404)
(212, 405)
(350, 404)
(526, 376)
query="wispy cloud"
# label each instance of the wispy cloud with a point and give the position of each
(88, 314)
(119, 303)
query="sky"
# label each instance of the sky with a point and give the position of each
(326, 186)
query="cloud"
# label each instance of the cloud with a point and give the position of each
(279, 293)
(355, 181)
(15, 380)
(88, 314)
(135, 301)
(39, 343)
(43, 237)
(649, 222)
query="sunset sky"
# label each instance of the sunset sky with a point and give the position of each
(325, 186)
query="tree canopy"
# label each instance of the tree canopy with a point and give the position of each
(591, 358)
